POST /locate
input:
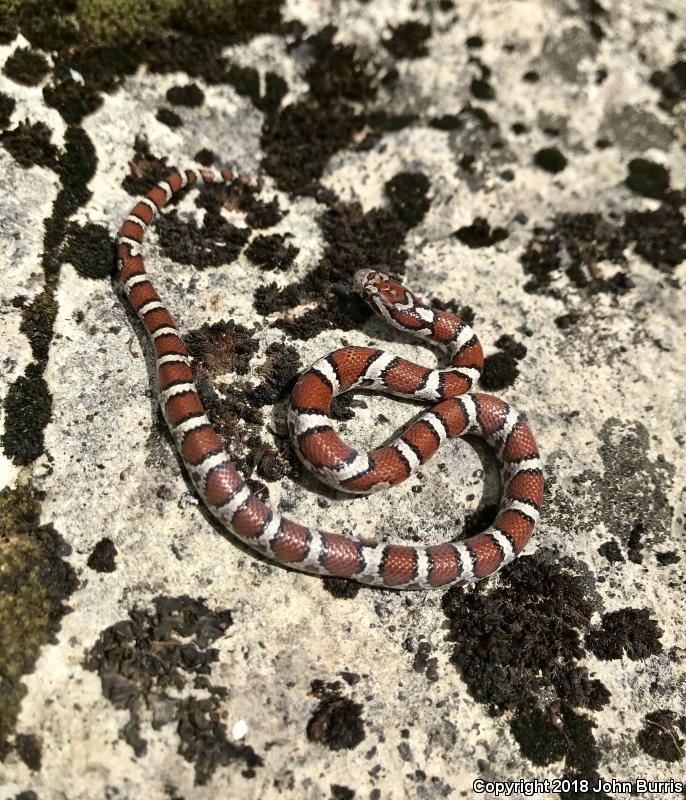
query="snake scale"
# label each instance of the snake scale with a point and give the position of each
(455, 411)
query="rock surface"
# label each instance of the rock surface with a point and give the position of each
(522, 162)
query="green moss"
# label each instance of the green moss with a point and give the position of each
(34, 580)
(37, 323)
(28, 409)
(102, 20)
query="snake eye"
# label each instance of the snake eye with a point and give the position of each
(367, 295)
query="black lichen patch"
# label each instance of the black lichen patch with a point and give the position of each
(7, 106)
(222, 347)
(28, 409)
(407, 196)
(550, 159)
(408, 40)
(521, 641)
(30, 144)
(661, 735)
(648, 178)
(271, 252)
(169, 118)
(190, 95)
(103, 555)
(35, 582)
(90, 250)
(215, 242)
(26, 66)
(629, 631)
(145, 661)
(337, 721)
(671, 83)
(480, 234)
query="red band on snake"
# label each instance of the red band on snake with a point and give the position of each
(455, 411)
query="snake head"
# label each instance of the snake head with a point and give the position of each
(379, 289)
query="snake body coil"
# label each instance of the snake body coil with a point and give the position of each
(455, 412)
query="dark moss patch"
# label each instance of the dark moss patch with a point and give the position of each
(661, 735)
(337, 721)
(37, 321)
(521, 641)
(550, 159)
(72, 99)
(408, 40)
(213, 243)
(407, 194)
(340, 588)
(480, 234)
(7, 106)
(143, 663)
(261, 214)
(447, 122)
(190, 95)
(424, 663)
(648, 178)
(271, 252)
(26, 66)
(245, 80)
(629, 631)
(28, 409)
(300, 138)
(169, 118)
(29, 750)
(575, 243)
(205, 157)
(508, 344)
(36, 580)
(30, 144)
(354, 240)
(278, 372)
(611, 551)
(145, 169)
(103, 555)
(659, 236)
(671, 83)
(481, 87)
(90, 249)
(222, 347)
(8, 28)
(667, 557)
(500, 371)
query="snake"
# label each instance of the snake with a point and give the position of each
(454, 411)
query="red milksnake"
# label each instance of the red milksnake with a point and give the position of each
(455, 412)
